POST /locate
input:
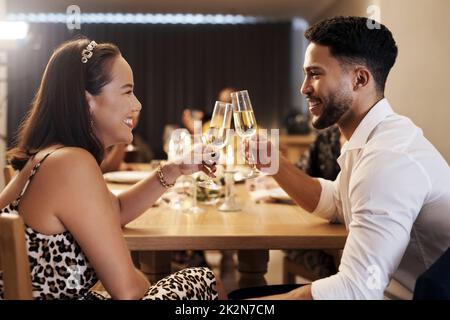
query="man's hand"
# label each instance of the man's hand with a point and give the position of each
(263, 153)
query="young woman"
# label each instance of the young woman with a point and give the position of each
(85, 104)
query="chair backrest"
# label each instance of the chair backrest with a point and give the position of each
(8, 173)
(14, 259)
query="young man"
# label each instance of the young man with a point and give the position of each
(393, 192)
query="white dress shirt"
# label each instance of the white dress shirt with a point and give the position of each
(393, 194)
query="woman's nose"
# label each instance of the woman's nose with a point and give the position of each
(138, 105)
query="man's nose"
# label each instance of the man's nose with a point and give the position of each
(306, 88)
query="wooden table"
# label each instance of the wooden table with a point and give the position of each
(252, 231)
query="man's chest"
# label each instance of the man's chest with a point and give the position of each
(349, 176)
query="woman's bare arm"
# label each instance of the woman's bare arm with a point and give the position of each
(134, 201)
(144, 194)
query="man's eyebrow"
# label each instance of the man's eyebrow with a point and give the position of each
(313, 67)
(128, 85)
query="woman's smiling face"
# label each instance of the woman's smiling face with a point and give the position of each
(114, 109)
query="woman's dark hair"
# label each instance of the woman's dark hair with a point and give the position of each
(59, 112)
(357, 40)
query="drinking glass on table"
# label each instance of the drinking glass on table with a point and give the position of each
(245, 123)
(216, 137)
(184, 194)
(179, 144)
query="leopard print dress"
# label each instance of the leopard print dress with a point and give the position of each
(60, 270)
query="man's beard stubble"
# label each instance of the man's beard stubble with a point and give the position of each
(338, 104)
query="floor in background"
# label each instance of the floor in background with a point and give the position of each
(274, 273)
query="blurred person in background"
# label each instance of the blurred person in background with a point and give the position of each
(119, 156)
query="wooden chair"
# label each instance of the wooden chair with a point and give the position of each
(14, 259)
(8, 173)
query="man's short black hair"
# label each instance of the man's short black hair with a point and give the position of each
(356, 40)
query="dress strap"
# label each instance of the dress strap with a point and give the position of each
(32, 174)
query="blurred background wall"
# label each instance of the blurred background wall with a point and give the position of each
(178, 66)
(174, 66)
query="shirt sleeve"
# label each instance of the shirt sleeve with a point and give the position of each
(329, 206)
(386, 191)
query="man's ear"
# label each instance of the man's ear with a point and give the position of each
(361, 78)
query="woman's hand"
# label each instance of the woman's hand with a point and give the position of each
(199, 159)
(187, 169)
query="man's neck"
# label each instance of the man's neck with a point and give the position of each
(353, 117)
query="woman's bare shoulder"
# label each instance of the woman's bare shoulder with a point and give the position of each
(71, 166)
(71, 159)
(73, 174)
(72, 154)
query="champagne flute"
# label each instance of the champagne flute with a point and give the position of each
(244, 122)
(216, 137)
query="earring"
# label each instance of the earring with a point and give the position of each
(91, 127)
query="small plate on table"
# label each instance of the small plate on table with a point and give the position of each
(126, 176)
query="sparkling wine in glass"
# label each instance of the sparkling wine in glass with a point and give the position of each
(244, 122)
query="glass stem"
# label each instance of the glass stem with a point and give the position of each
(229, 182)
(194, 200)
(252, 161)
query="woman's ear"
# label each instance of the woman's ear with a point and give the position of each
(90, 100)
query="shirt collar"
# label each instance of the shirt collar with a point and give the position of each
(376, 114)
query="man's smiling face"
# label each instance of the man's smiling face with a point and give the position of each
(327, 86)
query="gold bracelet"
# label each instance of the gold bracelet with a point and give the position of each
(162, 180)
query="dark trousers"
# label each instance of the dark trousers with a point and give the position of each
(435, 282)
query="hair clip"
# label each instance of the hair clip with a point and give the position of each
(86, 54)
